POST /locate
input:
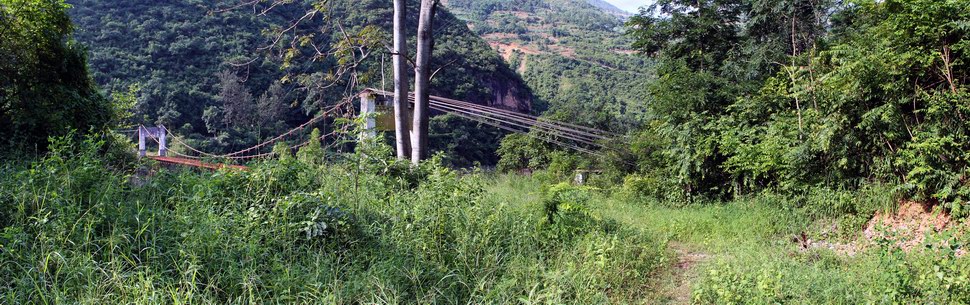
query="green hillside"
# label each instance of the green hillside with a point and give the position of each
(174, 50)
(572, 53)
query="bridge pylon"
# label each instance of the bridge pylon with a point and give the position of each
(158, 133)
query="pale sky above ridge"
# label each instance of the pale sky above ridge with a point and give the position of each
(632, 6)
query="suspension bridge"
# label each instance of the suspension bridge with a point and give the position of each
(373, 102)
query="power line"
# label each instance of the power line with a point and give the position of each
(536, 127)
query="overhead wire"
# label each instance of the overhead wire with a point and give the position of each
(532, 122)
(518, 124)
(494, 124)
(600, 134)
(554, 132)
(235, 155)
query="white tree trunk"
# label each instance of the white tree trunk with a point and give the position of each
(402, 130)
(422, 74)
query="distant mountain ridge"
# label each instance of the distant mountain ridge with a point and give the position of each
(574, 54)
(610, 8)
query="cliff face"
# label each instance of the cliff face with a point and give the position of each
(509, 96)
(174, 48)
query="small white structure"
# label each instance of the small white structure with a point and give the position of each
(582, 176)
(154, 132)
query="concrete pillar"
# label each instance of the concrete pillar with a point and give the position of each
(368, 106)
(581, 177)
(162, 144)
(141, 141)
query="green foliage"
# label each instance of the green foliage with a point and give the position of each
(45, 89)
(711, 54)
(283, 152)
(886, 275)
(123, 105)
(203, 69)
(608, 96)
(937, 157)
(464, 143)
(290, 231)
(742, 252)
(781, 101)
(577, 62)
(725, 284)
(652, 187)
(522, 151)
(312, 153)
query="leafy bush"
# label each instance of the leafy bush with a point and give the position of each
(652, 188)
(567, 213)
(725, 284)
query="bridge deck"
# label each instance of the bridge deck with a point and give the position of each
(195, 163)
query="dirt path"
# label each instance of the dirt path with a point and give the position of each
(684, 272)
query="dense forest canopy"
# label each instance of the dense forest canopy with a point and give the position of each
(185, 57)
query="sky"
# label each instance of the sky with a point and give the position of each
(630, 5)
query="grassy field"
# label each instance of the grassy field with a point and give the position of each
(300, 231)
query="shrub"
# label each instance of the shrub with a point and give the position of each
(652, 187)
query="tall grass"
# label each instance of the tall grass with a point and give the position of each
(298, 231)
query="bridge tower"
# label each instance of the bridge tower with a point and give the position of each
(368, 106)
(154, 132)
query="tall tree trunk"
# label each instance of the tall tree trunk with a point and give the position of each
(422, 74)
(402, 130)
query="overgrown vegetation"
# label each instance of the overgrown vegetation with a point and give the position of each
(44, 84)
(759, 96)
(743, 253)
(875, 97)
(296, 230)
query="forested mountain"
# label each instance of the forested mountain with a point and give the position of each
(573, 54)
(176, 51)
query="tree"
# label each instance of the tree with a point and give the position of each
(713, 53)
(271, 107)
(422, 75)
(45, 88)
(237, 103)
(401, 127)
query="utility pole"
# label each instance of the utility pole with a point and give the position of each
(402, 129)
(422, 74)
